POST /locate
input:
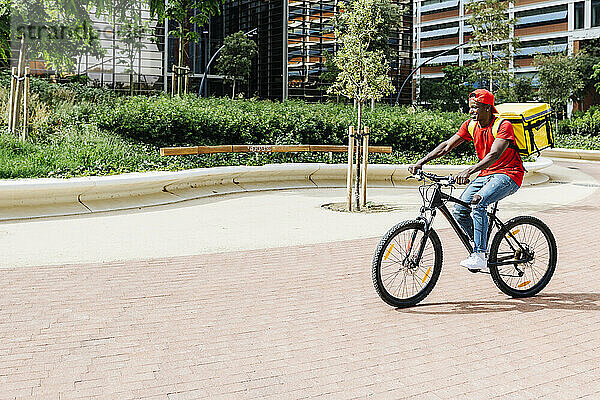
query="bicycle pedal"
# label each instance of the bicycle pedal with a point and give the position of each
(474, 271)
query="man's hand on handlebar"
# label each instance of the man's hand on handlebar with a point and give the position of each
(463, 177)
(414, 168)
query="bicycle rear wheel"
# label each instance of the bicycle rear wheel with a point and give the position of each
(527, 278)
(399, 278)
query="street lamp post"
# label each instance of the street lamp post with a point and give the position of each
(249, 33)
(425, 62)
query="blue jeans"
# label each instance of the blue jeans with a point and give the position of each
(491, 188)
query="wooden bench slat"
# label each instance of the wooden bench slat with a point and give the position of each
(214, 149)
(380, 149)
(325, 147)
(178, 151)
(285, 148)
(262, 148)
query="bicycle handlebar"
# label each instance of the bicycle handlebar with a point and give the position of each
(444, 180)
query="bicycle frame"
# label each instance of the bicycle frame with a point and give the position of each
(438, 202)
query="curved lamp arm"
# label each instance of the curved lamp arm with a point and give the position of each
(425, 62)
(249, 33)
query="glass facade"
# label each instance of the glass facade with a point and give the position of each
(308, 25)
(579, 19)
(595, 13)
(266, 79)
(310, 37)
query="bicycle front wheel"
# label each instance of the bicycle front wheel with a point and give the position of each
(530, 241)
(400, 277)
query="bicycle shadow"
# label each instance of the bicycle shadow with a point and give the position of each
(549, 301)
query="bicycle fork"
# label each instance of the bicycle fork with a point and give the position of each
(423, 242)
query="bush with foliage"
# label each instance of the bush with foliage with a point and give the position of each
(163, 121)
(53, 94)
(449, 93)
(86, 151)
(587, 123)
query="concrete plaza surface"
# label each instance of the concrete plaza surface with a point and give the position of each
(268, 295)
(246, 221)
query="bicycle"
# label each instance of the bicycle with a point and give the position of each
(408, 260)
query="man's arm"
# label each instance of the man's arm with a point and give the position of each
(441, 149)
(498, 147)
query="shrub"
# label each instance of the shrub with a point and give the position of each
(163, 121)
(53, 94)
(587, 123)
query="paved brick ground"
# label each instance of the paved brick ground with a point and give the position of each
(302, 322)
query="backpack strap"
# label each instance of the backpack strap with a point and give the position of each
(495, 129)
(471, 127)
(496, 126)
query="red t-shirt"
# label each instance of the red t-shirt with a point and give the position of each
(509, 163)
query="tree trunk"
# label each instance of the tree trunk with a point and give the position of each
(491, 72)
(358, 152)
(131, 83)
(16, 114)
(11, 100)
(25, 105)
(233, 90)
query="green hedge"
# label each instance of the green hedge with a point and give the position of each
(54, 94)
(164, 121)
(587, 123)
(84, 150)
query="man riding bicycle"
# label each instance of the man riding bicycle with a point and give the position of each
(500, 171)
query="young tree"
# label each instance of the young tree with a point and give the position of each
(130, 33)
(363, 71)
(186, 13)
(457, 86)
(331, 71)
(520, 90)
(585, 62)
(56, 32)
(451, 92)
(235, 60)
(492, 39)
(389, 18)
(596, 77)
(588, 57)
(559, 79)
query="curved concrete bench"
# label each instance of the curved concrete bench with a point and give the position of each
(573, 154)
(27, 198)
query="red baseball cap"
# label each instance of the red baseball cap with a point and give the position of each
(485, 97)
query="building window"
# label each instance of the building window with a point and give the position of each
(579, 15)
(595, 12)
(435, 6)
(428, 54)
(447, 58)
(438, 31)
(429, 2)
(542, 16)
(544, 46)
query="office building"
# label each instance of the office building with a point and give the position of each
(543, 26)
(293, 38)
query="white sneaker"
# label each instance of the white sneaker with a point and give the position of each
(476, 262)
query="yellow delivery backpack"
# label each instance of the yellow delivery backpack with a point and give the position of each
(531, 123)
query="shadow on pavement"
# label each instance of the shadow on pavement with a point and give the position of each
(550, 301)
